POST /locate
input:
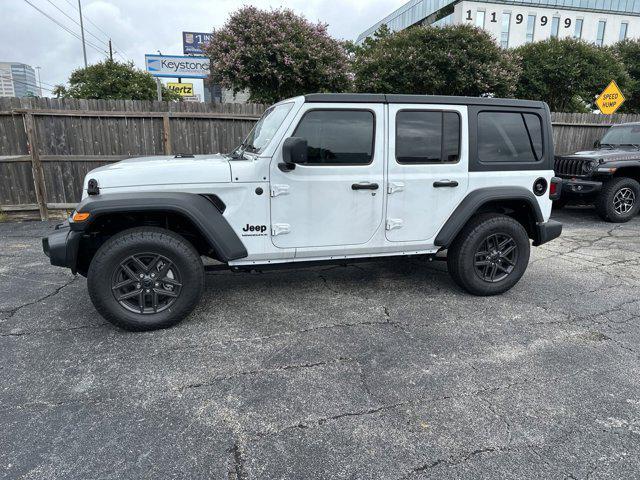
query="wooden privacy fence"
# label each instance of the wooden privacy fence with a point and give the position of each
(47, 146)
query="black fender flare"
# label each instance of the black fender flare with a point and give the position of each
(476, 200)
(197, 208)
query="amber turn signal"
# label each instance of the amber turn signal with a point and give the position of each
(80, 217)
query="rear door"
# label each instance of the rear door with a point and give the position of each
(427, 168)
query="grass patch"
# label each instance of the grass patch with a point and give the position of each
(3, 217)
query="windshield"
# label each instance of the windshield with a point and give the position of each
(622, 135)
(266, 128)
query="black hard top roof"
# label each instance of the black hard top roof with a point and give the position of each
(418, 99)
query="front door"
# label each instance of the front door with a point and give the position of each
(427, 169)
(336, 198)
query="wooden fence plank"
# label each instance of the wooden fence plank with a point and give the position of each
(36, 166)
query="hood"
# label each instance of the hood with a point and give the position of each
(606, 154)
(162, 170)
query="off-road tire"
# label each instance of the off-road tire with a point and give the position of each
(461, 255)
(108, 260)
(605, 203)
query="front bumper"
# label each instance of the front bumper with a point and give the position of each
(62, 247)
(576, 186)
(547, 231)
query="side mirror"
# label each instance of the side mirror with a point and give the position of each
(596, 144)
(294, 150)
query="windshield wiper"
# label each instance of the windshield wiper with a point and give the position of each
(610, 145)
(635, 145)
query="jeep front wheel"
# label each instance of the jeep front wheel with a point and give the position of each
(145, 279)
(489, 255)
(619, 200)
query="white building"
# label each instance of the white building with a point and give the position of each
(514, 23)
(18, 80)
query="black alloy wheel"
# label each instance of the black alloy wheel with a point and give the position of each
(146, 283)
(496, 257)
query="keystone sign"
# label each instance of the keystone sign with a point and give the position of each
(177, 66)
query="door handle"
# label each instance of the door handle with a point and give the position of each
(364, 186)
(445, 183)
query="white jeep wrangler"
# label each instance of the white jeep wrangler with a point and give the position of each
(320, 178)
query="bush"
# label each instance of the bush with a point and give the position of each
(629, 53)
(276, 54)
(110, 80)
(452, 60)
(568, 73)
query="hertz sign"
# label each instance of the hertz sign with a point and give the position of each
(610, 99)
(182, 89)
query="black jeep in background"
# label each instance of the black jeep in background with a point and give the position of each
(607, 176)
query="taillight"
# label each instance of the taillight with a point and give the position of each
(555, 188)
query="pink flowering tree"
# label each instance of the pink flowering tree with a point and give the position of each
(276, 54)
(452, 60)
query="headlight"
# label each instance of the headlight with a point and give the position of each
(588, 167)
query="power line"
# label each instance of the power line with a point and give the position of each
(27, 84)
(95, 47)
(74, 21)
(118, 49)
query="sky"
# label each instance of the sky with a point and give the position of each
(137, 27)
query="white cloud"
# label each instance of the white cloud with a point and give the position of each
(146, 26)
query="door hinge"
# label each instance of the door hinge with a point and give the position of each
(394, 223)
(279, 190)
(280, 229)
(395, 187)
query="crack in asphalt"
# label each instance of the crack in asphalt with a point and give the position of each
(13, 311)
(52, 330)
(258, 371)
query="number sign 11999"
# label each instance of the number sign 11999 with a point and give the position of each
(520, 18)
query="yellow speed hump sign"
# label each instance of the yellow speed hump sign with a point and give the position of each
(610, 99)
(182, 89)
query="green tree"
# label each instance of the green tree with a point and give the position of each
(629, 52)
(276, 54)
(568, 73)
(110, 80)
(452, 60)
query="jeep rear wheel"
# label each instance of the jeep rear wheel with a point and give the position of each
(619, 200)
(145, 278)
(489, 255)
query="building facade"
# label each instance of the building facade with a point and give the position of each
(515, 22)
(18, 80)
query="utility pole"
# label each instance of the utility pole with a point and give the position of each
(159, 89)
(39, 81)
(110, 51)
(84, 47)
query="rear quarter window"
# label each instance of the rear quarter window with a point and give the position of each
(509, 137)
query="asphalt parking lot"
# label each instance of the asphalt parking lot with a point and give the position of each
(378, 371)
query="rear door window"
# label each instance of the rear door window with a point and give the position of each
(427, 136)
(509, 137)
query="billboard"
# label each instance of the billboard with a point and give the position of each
(177, 66)
(194, 42)
(182, 89)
